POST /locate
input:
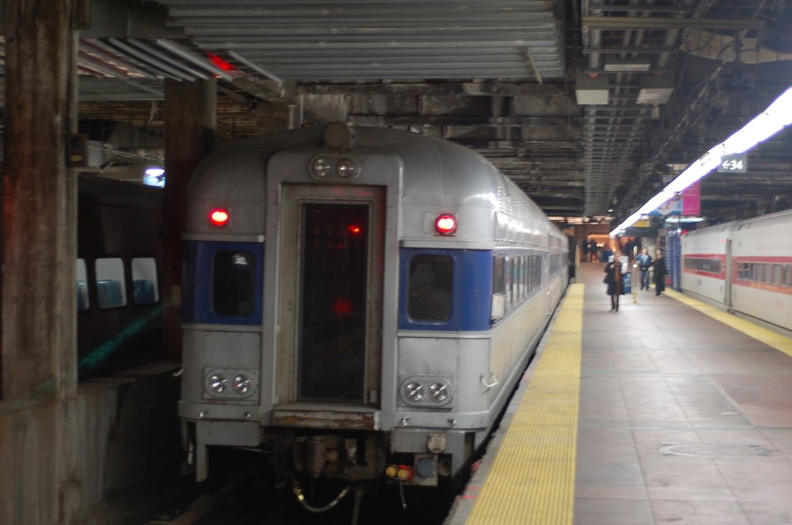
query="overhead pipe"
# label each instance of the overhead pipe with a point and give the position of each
(593, 37)
(673, 34)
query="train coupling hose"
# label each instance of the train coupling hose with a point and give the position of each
(297, 489)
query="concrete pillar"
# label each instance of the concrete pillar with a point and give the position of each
(190, 129)
(39, 348)
(39, 204)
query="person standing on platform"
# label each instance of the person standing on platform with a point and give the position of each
(593, 249)
(644, 262)
(613, 278)
(659, 268)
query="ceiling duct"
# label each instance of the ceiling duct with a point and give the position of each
(591, 89)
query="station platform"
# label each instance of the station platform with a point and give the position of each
(667, 411)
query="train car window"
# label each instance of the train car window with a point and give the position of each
(536, 272)
(232, 283)
(497, 274)
(777, 274)
(516, 279)
(507, 281)
(498, 307)
(786, 277)
(83, 301)
(110, 288)
(145, 289)
(430, 288)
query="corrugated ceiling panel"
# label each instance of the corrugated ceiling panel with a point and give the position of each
(441, 39)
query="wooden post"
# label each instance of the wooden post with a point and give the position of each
(39, 348)
(190, 123)
(39, 204)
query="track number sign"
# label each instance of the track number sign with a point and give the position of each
(733, 164)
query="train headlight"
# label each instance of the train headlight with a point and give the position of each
(320, 166)
(226, 383)
(218, 383)
(414, 391)
(426, 392)
(347, 168)
(438, 391)
(241, 384)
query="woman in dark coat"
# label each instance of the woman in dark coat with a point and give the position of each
(613, 278)
(659, 268)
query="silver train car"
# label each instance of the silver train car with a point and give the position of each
(359, 302)
(744, 266)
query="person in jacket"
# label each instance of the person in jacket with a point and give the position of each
(659, 270)
(613, 278)
(644, 262)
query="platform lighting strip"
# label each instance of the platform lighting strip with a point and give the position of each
(775, 118)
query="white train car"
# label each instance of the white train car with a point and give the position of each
(704, 267)
(744, 266)
(761, 262)
(360, 302)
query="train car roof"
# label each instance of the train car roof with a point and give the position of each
(436, 172)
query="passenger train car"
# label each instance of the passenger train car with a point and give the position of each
(359, 302)
(745, 266)
(119, 258)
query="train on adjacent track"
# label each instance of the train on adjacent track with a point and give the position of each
(119, 262)
(743, 266)
(359, 303)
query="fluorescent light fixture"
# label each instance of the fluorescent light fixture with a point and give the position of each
(625, 65)
(154, 177)
(684, 219)
(775, 118)
(655, 89)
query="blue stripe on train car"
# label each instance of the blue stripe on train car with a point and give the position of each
(470, 294)
(201, 301)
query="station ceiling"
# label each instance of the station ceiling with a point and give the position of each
(590, 106)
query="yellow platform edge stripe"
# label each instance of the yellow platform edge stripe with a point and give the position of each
(764, 335)
(532, 480)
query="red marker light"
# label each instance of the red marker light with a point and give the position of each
(354, 229)
(220, 63)
(342, 307)
(446, 224)
(219, 217)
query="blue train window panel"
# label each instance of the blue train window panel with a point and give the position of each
(429, 297)
(232, 283)
(223, 282)
(445, 289)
